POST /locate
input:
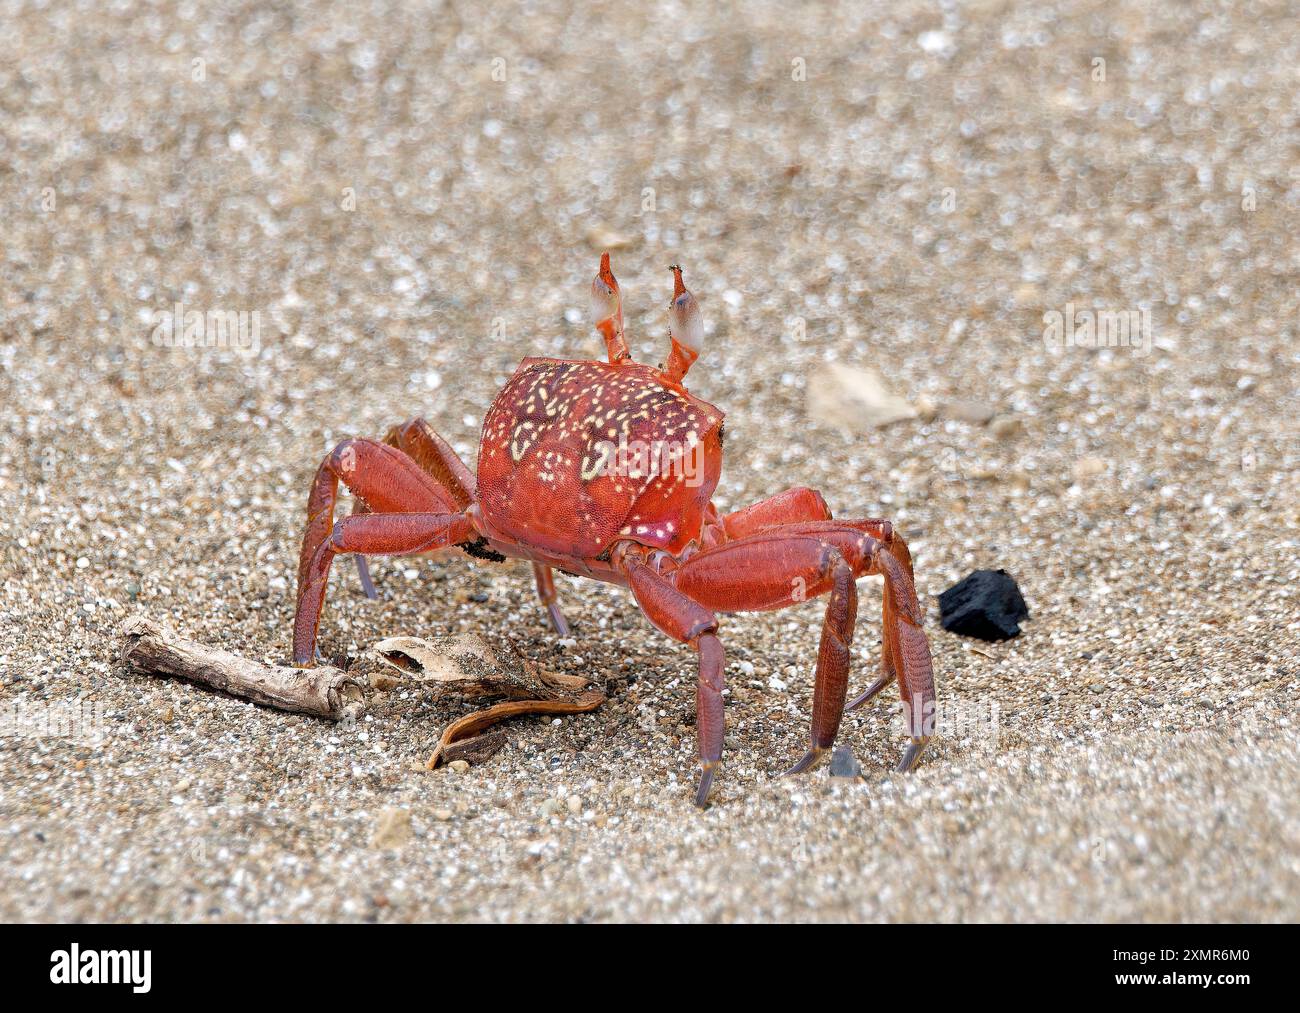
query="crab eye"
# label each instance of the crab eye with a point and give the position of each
(685, 322)
(604, 301)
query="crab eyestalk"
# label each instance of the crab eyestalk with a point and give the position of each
(685, 328)
(607, 311)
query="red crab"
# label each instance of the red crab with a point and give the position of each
(606, 470)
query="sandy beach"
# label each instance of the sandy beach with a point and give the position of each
(400, 201)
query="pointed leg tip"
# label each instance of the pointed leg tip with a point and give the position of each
(811, 759)
(911, 755)
(558, 622)
(706, 785)
(367, 585)
(875, 688)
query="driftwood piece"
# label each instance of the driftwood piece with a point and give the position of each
(322, 692)
(468, 664)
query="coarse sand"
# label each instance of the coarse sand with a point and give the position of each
(413, 197)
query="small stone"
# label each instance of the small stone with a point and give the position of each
(986, 604)
(845, 764)
(442, 815)
(601, 238)
(459, 766)
(1004, 426)
(853, 400)
(550, 807)
(1088, 467)
(574, 802)
(393, 829)
(977, 413)
(169, 714)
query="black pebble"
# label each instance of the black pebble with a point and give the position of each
(987, 605)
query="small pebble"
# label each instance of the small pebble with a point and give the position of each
(1005, 426)
(845, 764)
(392, 829)
(1088, 467)
(986, 604)
(975, 412)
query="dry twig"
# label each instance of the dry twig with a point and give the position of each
(322, 692)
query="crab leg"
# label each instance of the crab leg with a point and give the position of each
(784, 565)
(879, 529)
(688, 622)
(378, 535)
(798, 504)
(546, 592)
(420, 442)
(383, 479)
(831, 684)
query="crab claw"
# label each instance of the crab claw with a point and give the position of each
(685, 328)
